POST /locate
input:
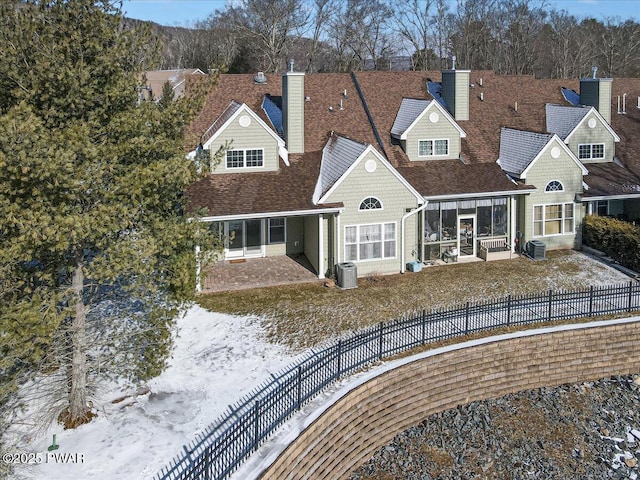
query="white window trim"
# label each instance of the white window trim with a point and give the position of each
(434, 140)
(562, 220)
(591, 157)
(370, 209)
(244, 159)
(553, 191)
(284, 241)
(357, 226)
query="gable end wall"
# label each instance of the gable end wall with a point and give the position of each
(251, 137)
(395, 198)
(565, 170)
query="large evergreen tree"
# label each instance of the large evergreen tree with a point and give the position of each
(96, 255)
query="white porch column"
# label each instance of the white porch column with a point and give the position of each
(513, 228)
(590, 208)
(198, 268)
(321, 267)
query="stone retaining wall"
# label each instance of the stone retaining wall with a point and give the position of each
(365, 419)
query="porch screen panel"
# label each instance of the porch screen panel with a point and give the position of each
(484, 217)
(499, 216)
(432, 222)
(449, 220)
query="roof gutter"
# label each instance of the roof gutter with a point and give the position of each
(583, 198)
(481, 195)
(292, 213)
(402, 229)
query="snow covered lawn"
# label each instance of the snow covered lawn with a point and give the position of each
(218, 358)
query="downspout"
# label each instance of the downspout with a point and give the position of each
(404, 217)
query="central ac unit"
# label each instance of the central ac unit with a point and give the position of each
(347, 275)
(536, 250)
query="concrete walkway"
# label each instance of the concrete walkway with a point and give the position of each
(258, 272)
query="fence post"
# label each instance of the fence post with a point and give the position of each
(629, 302)
(508, 310)
(423, 321)
(591, 301)
(339, 372)
(207, 463)
(256, 425)
(381, 333)
(550, 302)
(466, 320)
(299, 387)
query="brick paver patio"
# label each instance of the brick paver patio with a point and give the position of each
(258, 272)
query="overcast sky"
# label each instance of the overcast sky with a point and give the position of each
(185, 12)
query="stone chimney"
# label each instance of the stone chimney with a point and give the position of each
(455, 91)
(596, 92)
(293, 109)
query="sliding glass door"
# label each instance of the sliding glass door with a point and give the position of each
(244, 238)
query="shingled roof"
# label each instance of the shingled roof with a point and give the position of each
(337, 156)
(515, 102)
(562, 119)
(519, 148)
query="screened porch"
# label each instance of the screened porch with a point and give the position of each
(459, 225)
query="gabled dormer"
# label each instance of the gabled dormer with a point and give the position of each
(239, 141)
(427, 131)
(584, 130)
(521, 151)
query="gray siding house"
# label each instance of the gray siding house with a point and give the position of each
(386, 168)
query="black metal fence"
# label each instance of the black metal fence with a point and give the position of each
(226, 443)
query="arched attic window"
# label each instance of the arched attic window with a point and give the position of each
(554, 186)
(370, 203)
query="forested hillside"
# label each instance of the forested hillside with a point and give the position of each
(513, 37)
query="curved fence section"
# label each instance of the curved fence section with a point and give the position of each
(225, 444)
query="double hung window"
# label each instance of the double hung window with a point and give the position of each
(591, 151)
(245, 158)
(370, 242)
(433, 148)
(553, 219)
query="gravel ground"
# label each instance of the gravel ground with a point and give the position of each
(589, 431)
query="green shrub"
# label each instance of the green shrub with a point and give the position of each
(620, 240)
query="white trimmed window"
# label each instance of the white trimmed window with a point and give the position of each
(591, 151)
(602, 207)
(554, 186)
(553, 219)
(277, 230)
(370, 203)
(433, 148)
(245, 158)
(370, 242)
